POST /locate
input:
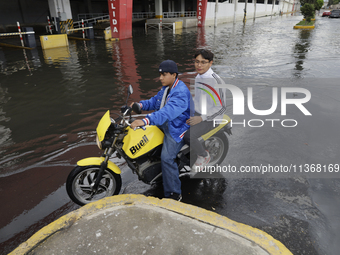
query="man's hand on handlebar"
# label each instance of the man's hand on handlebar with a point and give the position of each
(137, 123)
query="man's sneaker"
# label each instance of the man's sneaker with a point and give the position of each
(175, 196)
(201, 162)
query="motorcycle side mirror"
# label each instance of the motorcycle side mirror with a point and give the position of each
(130, 89)
(136, 108)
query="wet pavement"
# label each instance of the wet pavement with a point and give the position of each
(50, 103)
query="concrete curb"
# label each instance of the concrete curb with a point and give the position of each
(304, 27)
(264, 240)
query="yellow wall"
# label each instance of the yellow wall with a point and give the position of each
(179, 25)
(53, 41)
(107, 33)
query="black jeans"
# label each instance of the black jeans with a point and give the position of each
(194, 132)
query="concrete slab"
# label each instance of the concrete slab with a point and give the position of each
(135, 224)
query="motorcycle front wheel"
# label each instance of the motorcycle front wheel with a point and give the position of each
(81, 180)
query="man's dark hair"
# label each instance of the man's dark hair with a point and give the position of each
(206, 54)
(176, 74)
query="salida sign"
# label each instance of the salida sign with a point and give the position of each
(120, 18)
(201, 10)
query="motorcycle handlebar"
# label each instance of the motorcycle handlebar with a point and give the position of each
(127, 111)
(138, 115)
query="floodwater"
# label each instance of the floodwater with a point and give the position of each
(51, 101)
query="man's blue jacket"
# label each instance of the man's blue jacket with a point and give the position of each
(174, 108)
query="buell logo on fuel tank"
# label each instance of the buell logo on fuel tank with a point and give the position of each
(138, 146)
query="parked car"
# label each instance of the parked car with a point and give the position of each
(335, 14)
(326, 13)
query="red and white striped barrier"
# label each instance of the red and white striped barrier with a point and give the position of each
(49, 24)
(82, 25)
(19, 29)
(17, 33)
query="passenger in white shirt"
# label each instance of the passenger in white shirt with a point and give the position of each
(209, 104)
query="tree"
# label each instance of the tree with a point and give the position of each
(331, 2)
(318, 4)
(308, 11)
(303, 2)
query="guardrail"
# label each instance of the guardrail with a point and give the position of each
(86, 16)
(17, 33)
(95, 17)
(165, 25)
(143, 15)
(179, 14)
(77, 24)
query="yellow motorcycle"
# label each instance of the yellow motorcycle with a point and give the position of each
(97, 177)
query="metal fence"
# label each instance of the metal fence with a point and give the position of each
(90, 15)
(135, 15)
(143, 15)
(179, 14)
(95, 17)
(77, 24)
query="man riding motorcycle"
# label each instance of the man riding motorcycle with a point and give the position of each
(151, 153)
(172, 109)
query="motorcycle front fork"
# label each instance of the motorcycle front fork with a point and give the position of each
(107, 154)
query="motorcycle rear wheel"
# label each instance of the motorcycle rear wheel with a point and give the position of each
(81, 180)
(218, 146)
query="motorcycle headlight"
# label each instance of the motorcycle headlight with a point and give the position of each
(99, 144)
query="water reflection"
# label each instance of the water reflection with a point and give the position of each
(26, 60)
(301, 49)
(2, 61)
(56, 55)
(5, 132)
(34, 55)
(200, 42)
(125, 62)
(72, 74)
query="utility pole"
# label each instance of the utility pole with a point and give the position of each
(235, 9)
(245, 12)
(216, 11)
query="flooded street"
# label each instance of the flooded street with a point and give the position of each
(52, 100)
